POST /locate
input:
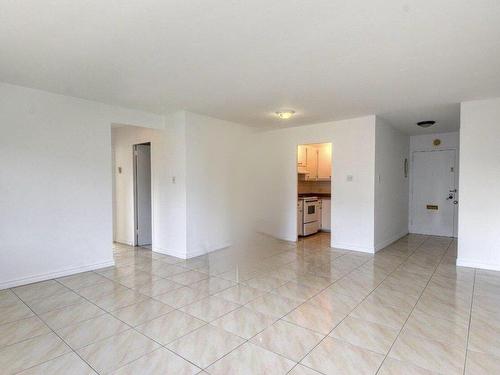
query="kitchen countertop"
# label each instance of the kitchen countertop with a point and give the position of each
(319, 195)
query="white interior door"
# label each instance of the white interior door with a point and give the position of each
(142, 167)
(433, 193)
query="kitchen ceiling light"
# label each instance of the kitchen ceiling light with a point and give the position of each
(425, 124)
(285, 115)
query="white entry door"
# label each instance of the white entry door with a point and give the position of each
(142, 179)
(434, 196)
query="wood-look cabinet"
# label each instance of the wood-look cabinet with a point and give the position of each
(324, 160)
(315, 161)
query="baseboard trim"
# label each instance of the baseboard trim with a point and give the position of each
(123, 242)
(274, 237)
(389, 241)
(54, 275)
(198, 252)
(352, 247)
(474, 264)
(170, 252)
(191, 254)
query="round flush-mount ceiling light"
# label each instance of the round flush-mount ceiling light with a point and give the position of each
(425, 124)
(286, 114)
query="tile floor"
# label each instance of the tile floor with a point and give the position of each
(271, 308)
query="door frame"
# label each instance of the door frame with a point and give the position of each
(456, 179)
(296, 187)
(135, 193)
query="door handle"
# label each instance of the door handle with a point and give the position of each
(455, 202)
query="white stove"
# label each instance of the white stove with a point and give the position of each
(308, 215)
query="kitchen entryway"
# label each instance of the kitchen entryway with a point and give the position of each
(314, 175)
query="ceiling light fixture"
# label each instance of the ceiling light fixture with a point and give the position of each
(285, 115)
(425, 124)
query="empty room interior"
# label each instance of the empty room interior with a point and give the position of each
(250, 187)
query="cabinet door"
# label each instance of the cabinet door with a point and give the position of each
(312, 162)
(326, 209)
(325, 161)
(301, 156)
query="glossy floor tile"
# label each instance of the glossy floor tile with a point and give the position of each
(287, 339)
(114, 352)
(160, 361)
(69, 363)
(250, 359)
(333, 356)
(205, 345)
(31, 352)
(270, 307)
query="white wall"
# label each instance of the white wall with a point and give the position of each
(391, 186)
(123, 139)
(449, 141)
(213, 159)
(479, 211)
(55, 183)
(196, 214)
(168, 198)
(273, 178)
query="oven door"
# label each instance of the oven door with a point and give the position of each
(311, 211)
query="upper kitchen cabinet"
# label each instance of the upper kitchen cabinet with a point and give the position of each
(302, 155)
(314, 161)
(324, 161)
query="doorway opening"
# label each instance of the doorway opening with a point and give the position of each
(314, 189)
(142, 194)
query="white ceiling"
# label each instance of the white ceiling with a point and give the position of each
(241, 60)
(447, 119)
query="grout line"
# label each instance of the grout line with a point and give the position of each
(55, 333)
(294, 249)
(470, 319)
(415, 305)
(273, 317)
(132, 328)
(348, 314)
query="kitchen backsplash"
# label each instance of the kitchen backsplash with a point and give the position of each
(308, 187)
